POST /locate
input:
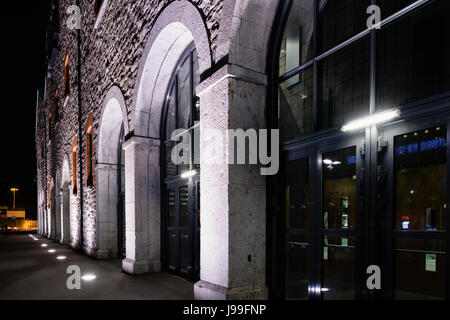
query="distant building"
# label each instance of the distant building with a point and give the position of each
(6, 212)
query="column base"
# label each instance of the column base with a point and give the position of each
(64, 241)
(89, 251)
(105, 254)
(74, 245)
(140, 267)
(209, 291)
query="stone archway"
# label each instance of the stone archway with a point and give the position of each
(177, 27)
(65, 202)
(113, 117)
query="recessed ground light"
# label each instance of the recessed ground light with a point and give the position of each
(44, 245)
(52, 250)
(61, 258)
(89, 277)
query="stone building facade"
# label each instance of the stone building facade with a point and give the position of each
(115, 72)
(363, 116)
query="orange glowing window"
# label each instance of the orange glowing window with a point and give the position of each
(67, 74)
(89, 127)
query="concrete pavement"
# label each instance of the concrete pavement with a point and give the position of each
(29, 271)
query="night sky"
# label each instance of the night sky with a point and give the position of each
(23, 28)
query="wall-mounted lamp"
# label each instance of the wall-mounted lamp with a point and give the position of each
(188, 174)
(372, 120)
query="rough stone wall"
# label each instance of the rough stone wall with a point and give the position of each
(111, 56)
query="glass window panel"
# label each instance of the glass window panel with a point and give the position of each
(171, 208)
(339, 20)
(339, 189)
(413, 56)
(421, 180)
(420, 269)
(296, 106)
(297, 41)
(171, 114)
(171, 167)
(297, 194)
(196, 104)
(172, 250)
(338, 268)
(184, 206)
(344, 85)
(185, 252)
(297, 261)
(184, 94)
(389, 7)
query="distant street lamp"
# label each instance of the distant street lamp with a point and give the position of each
(14, 196)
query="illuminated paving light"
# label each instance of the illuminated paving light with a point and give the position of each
(89, 277)
(52, 250)
(188, 174)
(61, 258)
(44, 245)
(371, 120)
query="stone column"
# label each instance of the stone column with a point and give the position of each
(107, 197)
(57, 208)
(142, 206)
(233, 197)
(65, 215)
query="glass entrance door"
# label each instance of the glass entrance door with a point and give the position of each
(372, 199)
(321, 219)
(182, 228)
(415, 229)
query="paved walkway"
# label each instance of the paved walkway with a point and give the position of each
(29, 271)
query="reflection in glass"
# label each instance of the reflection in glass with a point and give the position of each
(172, 250)
(297, 260)
(344, 85)
(184, 206)
(296, 106)
(340, 20)
(421, 179)
(297, 194)
(171, 212)
(413, 56)
(339, 189)
(338, 268)
(184, 94)
(171, 114)
(420, 269)
(185, 252)
(297, 41)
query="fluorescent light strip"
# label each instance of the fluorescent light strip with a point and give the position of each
(372, 120)
(188, 174)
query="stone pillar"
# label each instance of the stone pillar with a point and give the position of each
(233, 197)
(142, 206)
(107, 197)
(57, 216)
(65, 215)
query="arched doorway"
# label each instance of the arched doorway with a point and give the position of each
(65, 203)
(121, 232)
(110, 178)
(181, 177)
